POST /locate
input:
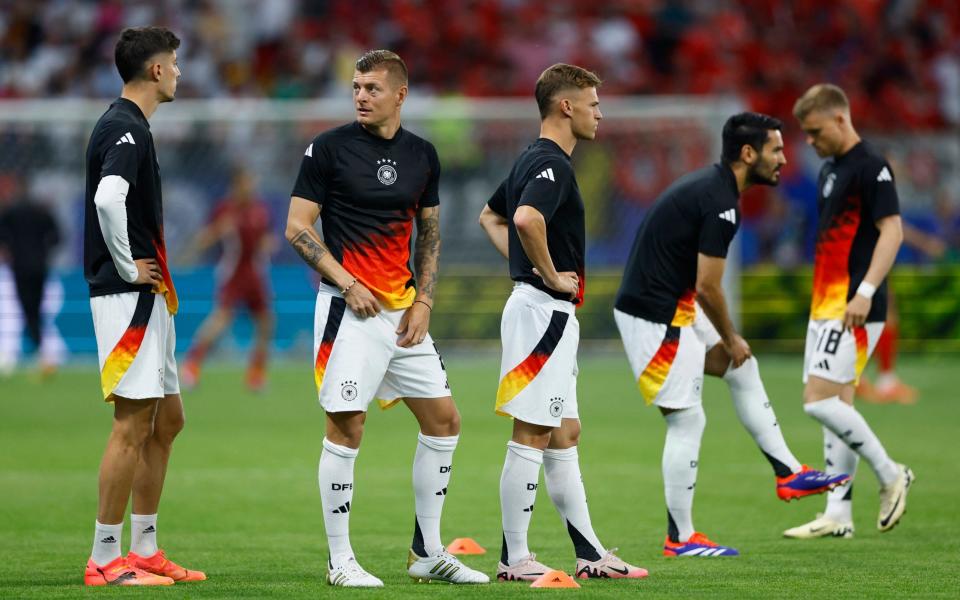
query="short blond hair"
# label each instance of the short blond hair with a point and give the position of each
(374, 60)
(823, 96)
(560, 77)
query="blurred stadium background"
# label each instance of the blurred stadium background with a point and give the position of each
(261, 78)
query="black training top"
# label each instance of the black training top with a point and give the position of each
(369, 189)
(542, 177)
(121, 144)
(855, 191)
(698, 213)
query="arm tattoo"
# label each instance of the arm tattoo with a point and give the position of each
(427, 250)
(310, 250)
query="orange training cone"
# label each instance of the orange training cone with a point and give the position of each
(555, 579)
(465, 546)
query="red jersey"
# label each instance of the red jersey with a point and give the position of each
(247, 226)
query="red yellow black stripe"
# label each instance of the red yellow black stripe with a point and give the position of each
(122, 355)
(334, 317)
(655, 374)
(521, 375)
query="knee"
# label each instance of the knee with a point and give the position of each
(166, 430)
(444, 422)
(566, 436)
(132, 433)
(449, 425)
(345, 431)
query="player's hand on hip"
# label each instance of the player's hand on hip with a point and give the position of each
(567, 282)
(739, 350)
(361, 301)
(148, 271)
(856, 314)
(414, 325)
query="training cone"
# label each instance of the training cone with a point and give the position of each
(555, 579)
(465, 546)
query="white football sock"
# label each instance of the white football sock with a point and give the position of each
(143, 534)
(518, 492)
(106, 543)
(850, 426)
(335, 475)
(681, 453)
(839, 458)
(431, 474)
(755, 412)
(561, 473)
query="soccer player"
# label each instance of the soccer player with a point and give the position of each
(859, 236)
(536, 220)
(241, 223)
(672, 315)
(133, 302)
(370, 179)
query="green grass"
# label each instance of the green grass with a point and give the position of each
(241, 499)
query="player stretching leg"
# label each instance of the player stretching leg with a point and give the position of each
(536, 220)
(370, 178)
(858, 239)
(133, 302)
(675, 268)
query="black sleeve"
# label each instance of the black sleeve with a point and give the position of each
(431, 194)
(548, 188)
(498, 202)
(718, 224)
(125, 147)
(314, 176)
(879, 190)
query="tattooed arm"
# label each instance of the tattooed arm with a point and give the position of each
(306, 241)
(426, 259)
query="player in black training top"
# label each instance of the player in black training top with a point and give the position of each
(133, 302)
(673, 318)
(536, 220)
(857, 241)
(370, 179)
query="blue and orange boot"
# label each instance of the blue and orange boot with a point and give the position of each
(807, 483)
(698, 545)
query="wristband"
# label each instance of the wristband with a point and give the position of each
(346, 289)
(424, 303)
(866, 289)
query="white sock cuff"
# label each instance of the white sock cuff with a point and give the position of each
(525, 452)
(143, 518)
(816, 409)
(562, 454)
(342, 451)
(440, 444)
(746, 375)
(110, 528)
(687, 417)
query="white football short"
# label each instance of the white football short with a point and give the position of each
(538, 369)
(357, 359)
(705, 330)
(837, 354)
(136, 341)
(667, 361)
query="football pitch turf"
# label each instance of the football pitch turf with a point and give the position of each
(241, 498)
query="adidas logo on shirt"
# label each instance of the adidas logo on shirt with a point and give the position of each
(729, 215)
(884, 175)
(547, 174)
(126, 139)
(309, 151)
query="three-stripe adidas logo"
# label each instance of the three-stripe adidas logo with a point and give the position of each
(126, 139)
(442, 492)
(529, 510)
(704, 552)
(823, 365)
(546, 174)
(109, 540)
(344, 508)
(729, 215)
(309, 151)
(444, 569)
(884, 175)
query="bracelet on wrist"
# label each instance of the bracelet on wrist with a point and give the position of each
(866, 289)
(346, 288)
(424, 303)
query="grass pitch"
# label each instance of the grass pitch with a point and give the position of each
(241, 501)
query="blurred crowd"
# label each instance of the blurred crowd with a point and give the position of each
(900, 59)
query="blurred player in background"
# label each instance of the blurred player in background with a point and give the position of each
(536, 220)
(28, 236)
(672, 315)
(133, 302)
(859, 235)
(241, 224)
(371, 179)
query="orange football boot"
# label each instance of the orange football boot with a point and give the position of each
(119, 572)
(158, 564)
